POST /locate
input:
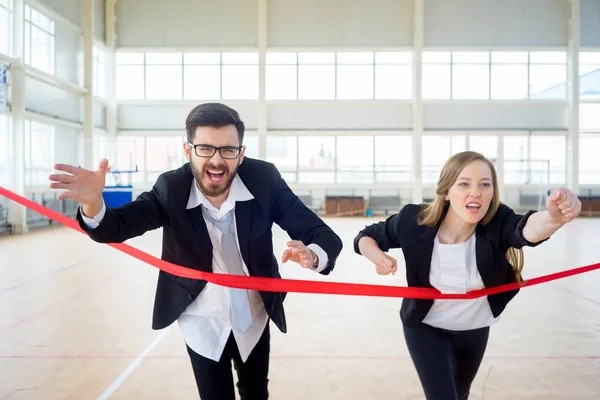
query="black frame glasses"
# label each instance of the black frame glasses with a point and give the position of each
(208, 151)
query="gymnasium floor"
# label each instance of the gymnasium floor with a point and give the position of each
(75, 324)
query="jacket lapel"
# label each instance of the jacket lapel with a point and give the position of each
(483, 250)
(243, 219)
(202, 241)
(425, 241)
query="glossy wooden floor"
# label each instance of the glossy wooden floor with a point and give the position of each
(75, 324)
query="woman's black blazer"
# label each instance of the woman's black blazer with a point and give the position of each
(401, 230)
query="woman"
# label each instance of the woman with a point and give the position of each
(464, 240)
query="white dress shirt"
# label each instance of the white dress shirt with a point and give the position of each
(206, 323)
(454, 270)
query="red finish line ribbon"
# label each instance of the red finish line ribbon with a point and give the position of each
(293, 285)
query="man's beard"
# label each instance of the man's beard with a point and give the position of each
(213, 190)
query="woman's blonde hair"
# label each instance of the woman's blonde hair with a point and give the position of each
(431, 213)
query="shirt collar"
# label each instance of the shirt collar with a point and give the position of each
(237, 192)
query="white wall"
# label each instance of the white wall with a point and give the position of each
(67, 53)
(518, 115)
(340, 115)
(67, 145)
(165, 116)
(340, 23)
(187, 23)
(48, 100)
(493, 22)
(590, 23)
(345, 23)
(72, 10)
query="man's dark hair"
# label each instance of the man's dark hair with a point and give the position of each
(215, 115)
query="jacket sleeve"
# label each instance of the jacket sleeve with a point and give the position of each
(512, 229)
(386, 233)
(145, 213)
(300, 222)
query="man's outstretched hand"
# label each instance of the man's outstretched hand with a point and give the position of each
(299, 253)
(81, 185)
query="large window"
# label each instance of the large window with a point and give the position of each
(281, 76)
(99, 72)
(130, 76)
(547, 75)
(435, 152)
(316, 159)
(153, 155)
(478, 75)
(509, 75)
(202, 76)
(163, 154)
(393, 158)
(39, 153)
(283, 152)
(535, 159)
(484, 144)
(5, 27)
(100, 149)
(589, 117)
(589, 143)
(342, 159)
(330, 75)
(251, 143)
(589, 75)
(39, 41)
(589, 168)
(355, 159)
(190, 76)
(5, 151)
(164, 76)
(471, 75)
(316, 76)
(131, 155)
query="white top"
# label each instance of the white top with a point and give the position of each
(454, 270)
(206, 323)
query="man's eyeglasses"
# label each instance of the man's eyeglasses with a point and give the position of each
(207, 151)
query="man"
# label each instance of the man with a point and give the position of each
(216, 212)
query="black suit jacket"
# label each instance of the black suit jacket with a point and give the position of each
(186, 241)
(400, 230)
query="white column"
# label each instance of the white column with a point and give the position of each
(17, 213)
(88, 76)
(573, 97)
(111, 76)
(417, 101)
(262, 102)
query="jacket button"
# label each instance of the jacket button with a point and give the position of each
(190, 297)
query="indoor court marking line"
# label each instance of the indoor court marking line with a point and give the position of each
(48, 274)
(134, 364)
